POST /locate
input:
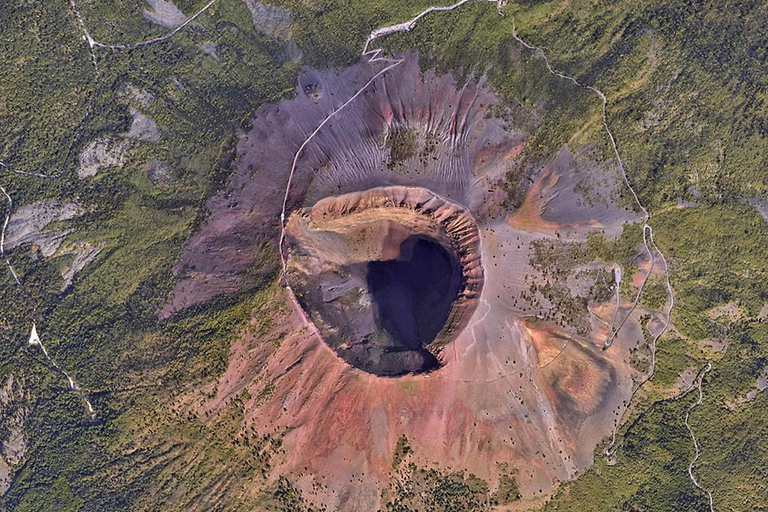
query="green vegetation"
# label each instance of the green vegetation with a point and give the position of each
(656, 62)
(508, 491)
(284, 497)
(651, 473)
(402, 450)
(418, 489)
(105, 330)
(402, 145)
(333, 34)
(706, 275)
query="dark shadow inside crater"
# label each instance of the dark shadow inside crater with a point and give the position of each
(413, 295)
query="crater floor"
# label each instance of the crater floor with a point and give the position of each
(410, 173)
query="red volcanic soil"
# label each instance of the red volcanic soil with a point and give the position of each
(408, 128)
(510, 388)
(570, 200)
(528, 216)
(481, 409)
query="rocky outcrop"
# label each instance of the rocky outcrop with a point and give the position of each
(29, 224)
(101, 154)
(13, 440)
(110, 151)
(414, 165)
(410, 128)
(164, 13)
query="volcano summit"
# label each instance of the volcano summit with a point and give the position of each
(404, 258)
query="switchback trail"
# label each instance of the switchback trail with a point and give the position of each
(648, 242)
(696, 385)
(93, 45)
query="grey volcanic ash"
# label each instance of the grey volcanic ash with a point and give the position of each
(403, 255)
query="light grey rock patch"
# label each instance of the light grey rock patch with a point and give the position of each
(175, 89)
(209, 48)
(84, 253)
(13, 445)
(28, 223)
(271, 21)
(762, 380)
(761, 384)
(159, 172)
(111, 151)
(143, 127)
(761, 205)
(5, 475)
(292, 50)
(164, 13)
(686, 379)
(100, 154)
(140, 96)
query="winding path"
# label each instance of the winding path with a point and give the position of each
(9, 199)
(127, 46)
(34, 338)
(696, 442)
(648, 242)
(373, 55)
(652, 249)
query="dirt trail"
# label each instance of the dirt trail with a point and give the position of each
(127, 46)
(2, 234)
(648, 242)
(34, 338)
(373, 55)
(696, 442)
(92, 45)
(695, 385)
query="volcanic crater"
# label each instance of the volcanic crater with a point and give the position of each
(388, 275)
(387, 210)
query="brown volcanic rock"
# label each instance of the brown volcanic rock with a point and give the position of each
(332, 250)
(575, 373)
